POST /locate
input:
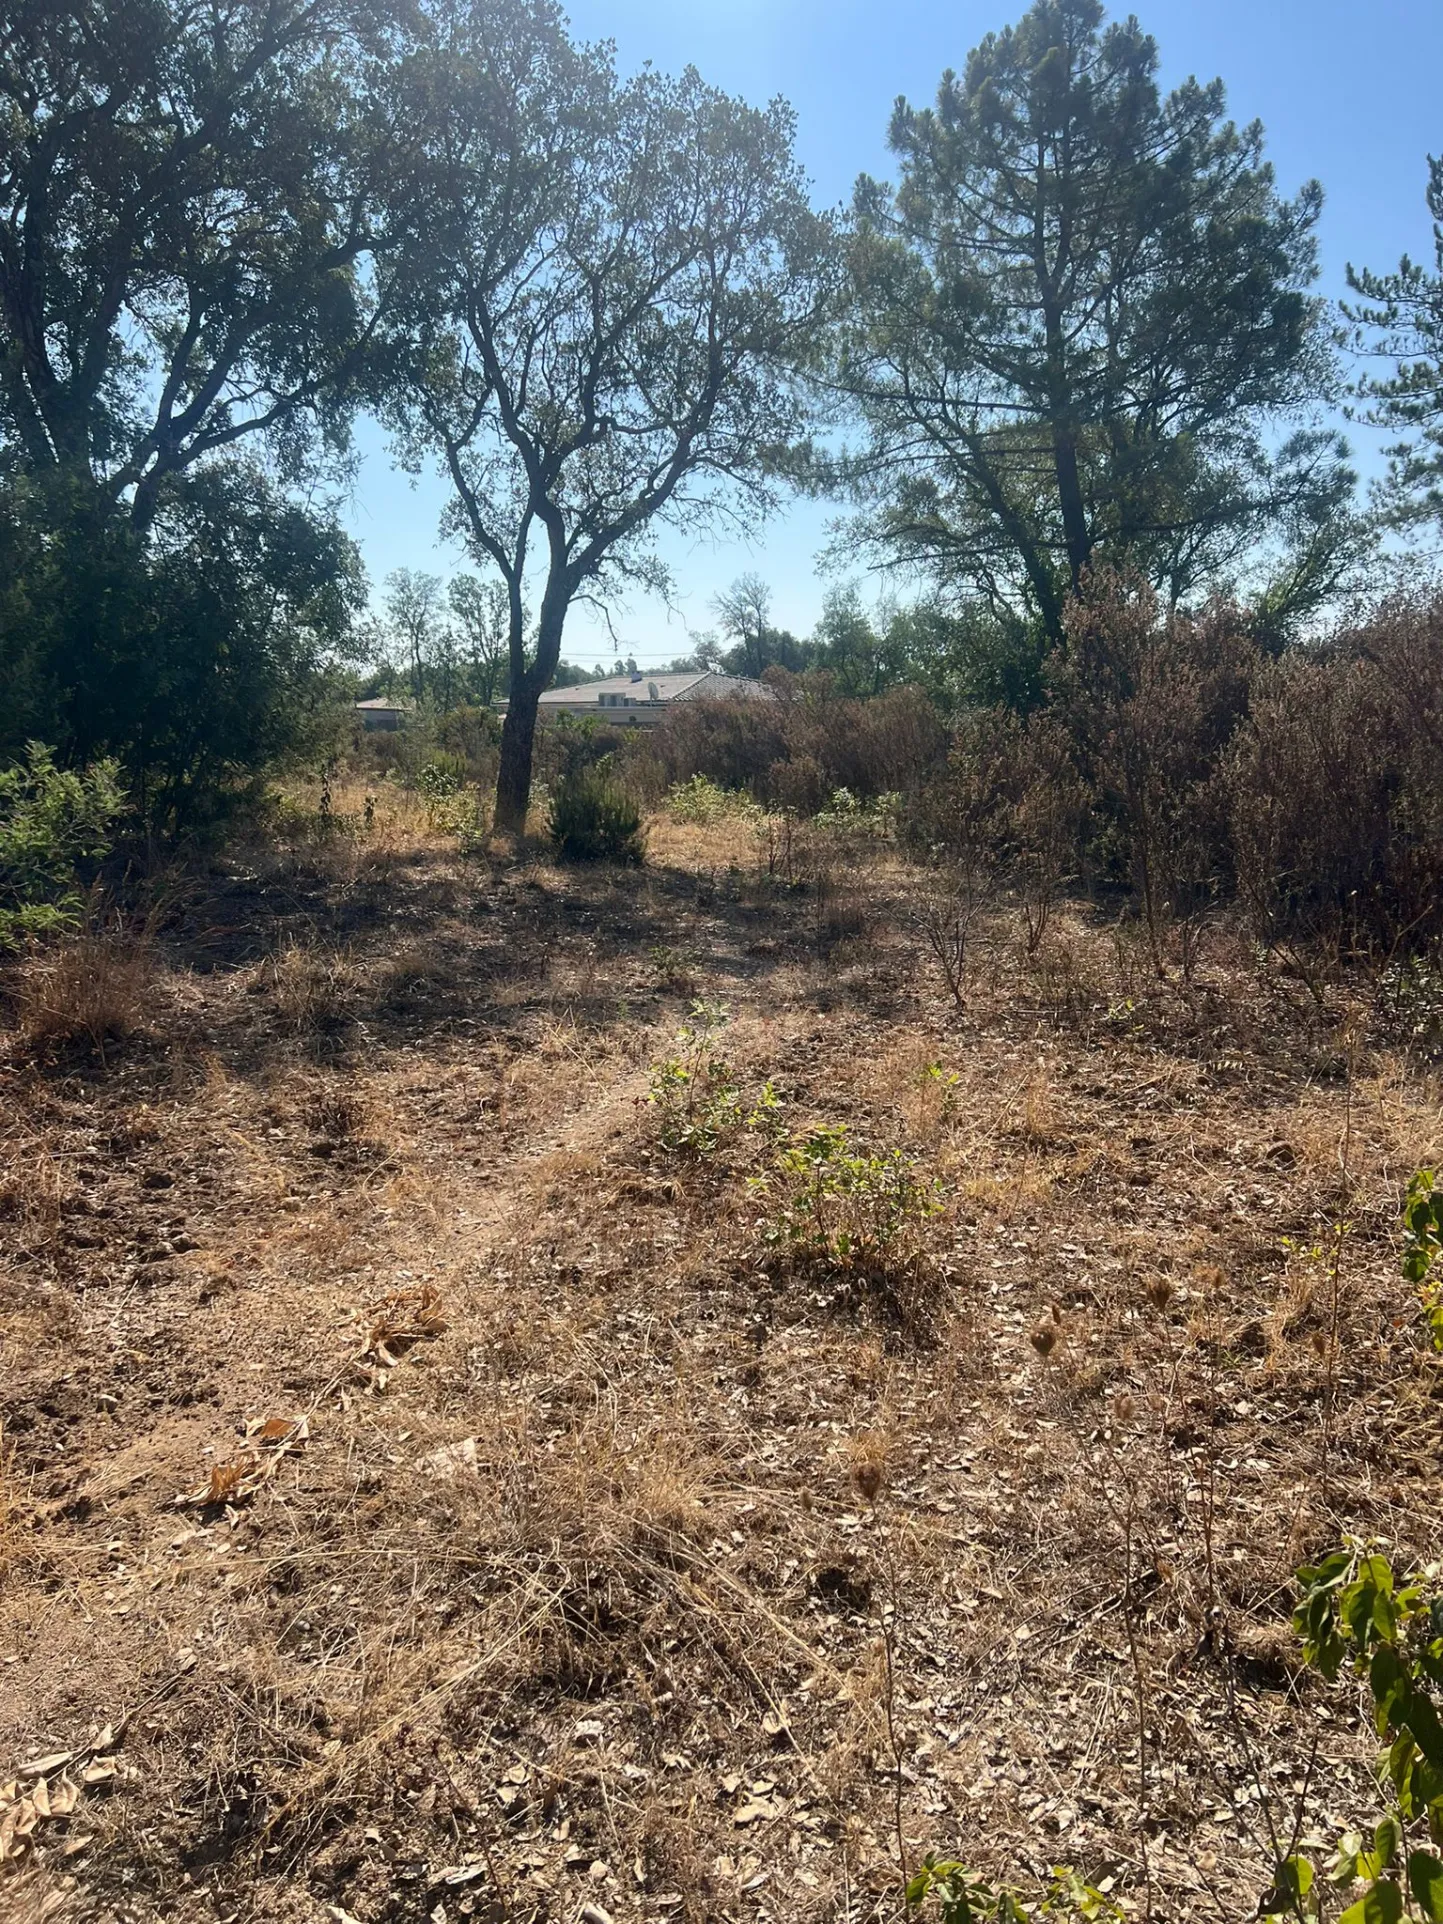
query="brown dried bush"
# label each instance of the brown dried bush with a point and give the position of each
(1335, 788)
(1151, 700)
(89, 988)
(796, 751)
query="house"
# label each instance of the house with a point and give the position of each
(641, 700)
(381, 712)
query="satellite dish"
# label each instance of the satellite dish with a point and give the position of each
(653, 692)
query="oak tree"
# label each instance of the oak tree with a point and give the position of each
(611, 293)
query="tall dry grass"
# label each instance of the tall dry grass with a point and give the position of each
(92, 986)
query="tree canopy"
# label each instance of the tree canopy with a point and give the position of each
(188, 281)
(1399, 318)
(610, 291)
(1078, 323)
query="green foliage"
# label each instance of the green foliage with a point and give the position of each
(451, 807)
(440, 777)
(1401, 318)
(188, 198)
(964, 1898)
(592, 819)
(50, 820)
(1065, 246)
(695, 1092)
(1423, 1245)
(852, 814)
(1354, 1614)
(705, 802)
(857, 1212)
(193, 652)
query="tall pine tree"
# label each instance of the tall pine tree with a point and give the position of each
(1079, 321)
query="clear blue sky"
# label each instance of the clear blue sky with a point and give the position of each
(1350, 95)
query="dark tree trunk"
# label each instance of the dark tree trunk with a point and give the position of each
(518, 735)
(518, 731)
(1074, 514)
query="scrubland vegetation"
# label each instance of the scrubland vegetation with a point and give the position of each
(827, 1310)
(536, 1383)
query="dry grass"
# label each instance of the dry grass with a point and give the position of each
(90, 988)
(583, 1583)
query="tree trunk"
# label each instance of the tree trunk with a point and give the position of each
(518, 731)
(1074, 514)
(518, 735)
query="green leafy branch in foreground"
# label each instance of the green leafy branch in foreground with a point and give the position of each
(847, 1208)
(1355, 1615)
(966, 1899)
(1423, 1244)
(695, 1092)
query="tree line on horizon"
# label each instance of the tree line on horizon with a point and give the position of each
(1079, 330)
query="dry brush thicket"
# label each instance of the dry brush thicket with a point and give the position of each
(425, 1494)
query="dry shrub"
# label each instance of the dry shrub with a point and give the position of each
(90, 988)
(1151, 700)
(338, 1110)
(796, 751)
(842, 913)
(1010, 806)
(1336, 788)
(732, 743)
(313, 987)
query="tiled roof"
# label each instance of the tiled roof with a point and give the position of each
(694, 685)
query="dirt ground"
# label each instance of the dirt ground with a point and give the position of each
(426, 1497)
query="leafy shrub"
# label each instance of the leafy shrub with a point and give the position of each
(847, 813)
(703, 802)
(593, 820)
(695, 1092)
(1355, 1615)
(964, 1898)
(857, 1217)
(440, 777)
(51, 819)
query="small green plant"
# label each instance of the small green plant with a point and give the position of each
(51, 819)
(964, 1898)
(1423, 1245)
(464, 814)
(593, 820)
(946, 1083)
(695, 1092)
(702, 801)
(856, 1215)
(673, 969)
(850, 813)
(440, 777)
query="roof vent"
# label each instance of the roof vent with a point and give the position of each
(636, 675)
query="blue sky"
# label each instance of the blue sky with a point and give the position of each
(1348, 94)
